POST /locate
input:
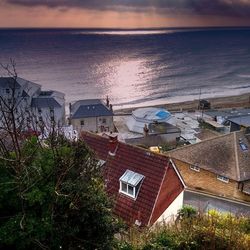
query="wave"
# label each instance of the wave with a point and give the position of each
(244, 75)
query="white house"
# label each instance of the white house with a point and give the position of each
(92, 115)
(33, 106)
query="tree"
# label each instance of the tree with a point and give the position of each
(52, 193)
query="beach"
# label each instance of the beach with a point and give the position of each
(236, 101)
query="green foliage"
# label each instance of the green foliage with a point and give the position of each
(54, 198)
(205, 232)
(187, 212)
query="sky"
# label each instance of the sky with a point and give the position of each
(124, 13)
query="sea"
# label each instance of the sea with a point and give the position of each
(132, 67)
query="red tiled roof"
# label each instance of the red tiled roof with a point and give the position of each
(152, 166)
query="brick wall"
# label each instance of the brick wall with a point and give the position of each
(207, 182)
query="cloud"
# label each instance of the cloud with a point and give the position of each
(234, 8)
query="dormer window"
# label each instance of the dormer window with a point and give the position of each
(130, 183)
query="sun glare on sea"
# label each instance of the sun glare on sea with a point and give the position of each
(126, 79)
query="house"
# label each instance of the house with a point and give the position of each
(235, 119)
(216, 172)
(32, 104)
(92, 115)
(147, 116)
(148, 127)
(49, 107)
(239, 122)
(145, 186)
(22, 90)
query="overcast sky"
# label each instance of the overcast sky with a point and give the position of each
(124, 13)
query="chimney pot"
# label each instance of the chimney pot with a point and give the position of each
(113, 144)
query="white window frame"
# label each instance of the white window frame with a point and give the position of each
(195, 168)
(134, 184)
(222, 178)
(127, 193)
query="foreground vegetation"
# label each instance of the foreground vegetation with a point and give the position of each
(52, 194)
(53, 197)
(193, 231)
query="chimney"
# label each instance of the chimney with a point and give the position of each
(113, 144)
(107, 101)
(145, 130)
(111, 107)
(70, 108)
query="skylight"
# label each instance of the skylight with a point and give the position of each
(243, 146)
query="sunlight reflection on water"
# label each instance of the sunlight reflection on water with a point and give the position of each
(126, 80)
(126, 32)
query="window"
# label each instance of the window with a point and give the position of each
(104, 120)
(82, 122)
(51, 112)
(7, 91)
(195, 168)
(222, 178)
(39, 110)
(130, 183)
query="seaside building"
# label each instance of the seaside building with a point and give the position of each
(148, 116)
(148, 127)
(216, 172)
(145, 186)
(32, 104)
(148, 187)
(49, 107)
(92, 115)
(233, 119)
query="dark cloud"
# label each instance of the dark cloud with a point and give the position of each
(238, 8)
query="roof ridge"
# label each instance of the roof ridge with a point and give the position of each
(201, 167)
(236, 157)
(128, 145)
(200, 142)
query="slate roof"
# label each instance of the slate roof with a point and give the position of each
(7, 82)
(222, 155)
(89, 108)
(241, 120)
(205, 134)
(44, 103)
(48, 99)
(30, 87)
(154, 167)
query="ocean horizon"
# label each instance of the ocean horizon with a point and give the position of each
(134, 67)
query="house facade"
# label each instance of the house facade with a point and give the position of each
(92, 115)
(145, 186)
(49, 108)
(34, 108)
(218, 168)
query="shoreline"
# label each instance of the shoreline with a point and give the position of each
(223, 102)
